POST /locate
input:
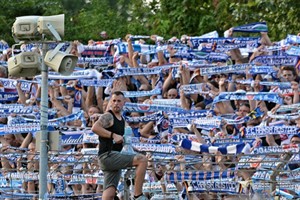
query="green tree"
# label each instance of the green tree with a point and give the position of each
(85, 19)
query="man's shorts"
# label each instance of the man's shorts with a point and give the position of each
(111, 165)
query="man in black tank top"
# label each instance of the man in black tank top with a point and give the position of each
(111, 160)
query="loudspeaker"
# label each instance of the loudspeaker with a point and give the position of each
(25, 28)
(57, 21)
(62, 63)
(25, 64)
(33, 27)
(54, 141)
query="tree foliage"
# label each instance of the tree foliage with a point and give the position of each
(85, 19)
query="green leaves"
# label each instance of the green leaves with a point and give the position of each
(167, 18)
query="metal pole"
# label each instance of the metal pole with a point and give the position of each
(43, 165)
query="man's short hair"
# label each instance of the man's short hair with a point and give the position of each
(296, 135)
(289, 68)
(118, 93)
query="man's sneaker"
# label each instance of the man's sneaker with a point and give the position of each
(143, 197)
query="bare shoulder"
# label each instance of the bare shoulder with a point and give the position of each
(106, 120)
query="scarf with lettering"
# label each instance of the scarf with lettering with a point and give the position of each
(221, 40)
(173, 177)
(158, 148)
(203, 123)
(256, 27)
(129, 94)
(139, 107)
(194, 89)
(136, 71)
(95, 61)
(281, 85)
(12, 83)
(239, 68)
(96, 82)
(218, 185)
(285, 60)
(267, 150)
(262, 131)
(188, 114)
(57, 121)
(76, 75)
(257, 96)
(8, 97)
(147, 118)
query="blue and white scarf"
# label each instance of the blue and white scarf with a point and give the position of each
(96, 61)
(147, 118)
(19, 110)
(292, 39)
(231, 141)
(293, 51)
(276, 149)
(203, 148)
(203, 123)
(286, 108)
(96, 82)
(281, 85)
(210, 57)
(194, 89)
(288, 116)
(262, 70)
(238, 40)
(137, 37)
(12, 83)
(136, 71)
(139, 107)
(158, 148)
(129, 94)
(257, 96)
(170, 102)
(188, 114)
(76, 75)
(57, 121)
(221, 185)
(141, 48)
(173, 177)
(262, 131)
(239, 68)
(252, 28)
(7, 97)
(276, 60)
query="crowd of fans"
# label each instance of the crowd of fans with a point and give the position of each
(172, 101)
